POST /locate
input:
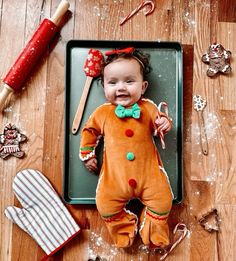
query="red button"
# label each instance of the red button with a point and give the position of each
(129, 133)
(132, 183)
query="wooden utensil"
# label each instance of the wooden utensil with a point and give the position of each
(92, 69)
(30, 55)
(199, 105)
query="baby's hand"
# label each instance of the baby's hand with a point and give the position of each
(91, 164)
(163, 125)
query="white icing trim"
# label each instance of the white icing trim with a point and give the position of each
(207, 57)
(226, 55)
(164, 171)
(144, 220)
(225, 68)
(213, 70)
(92, 153)
(88, 156)
(2, 138)
(99, 181)
(131, 213)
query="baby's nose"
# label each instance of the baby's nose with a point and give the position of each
(121, 86)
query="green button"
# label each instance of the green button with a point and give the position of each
(130, 156)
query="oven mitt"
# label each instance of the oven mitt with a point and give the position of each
(43, 216)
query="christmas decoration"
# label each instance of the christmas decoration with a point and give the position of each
(10, 142)
(199, 105)
(43, 216)
(210, 220)
(218, 59)
(92, 68)
(136, 10)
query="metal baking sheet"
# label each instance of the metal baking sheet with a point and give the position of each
(165, 84)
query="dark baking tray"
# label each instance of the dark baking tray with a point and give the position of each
(165, 84)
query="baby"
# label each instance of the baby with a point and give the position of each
(132, 167)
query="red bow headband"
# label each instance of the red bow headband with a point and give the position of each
(126, 50)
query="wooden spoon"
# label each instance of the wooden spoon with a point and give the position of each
(199, 105)
(92, 69)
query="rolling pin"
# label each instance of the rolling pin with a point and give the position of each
(34, 49)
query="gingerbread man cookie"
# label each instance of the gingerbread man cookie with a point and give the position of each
(10, 142)
(218, 59)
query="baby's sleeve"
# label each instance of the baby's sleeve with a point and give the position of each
(90, 136)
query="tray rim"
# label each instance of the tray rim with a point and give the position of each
(124, 43)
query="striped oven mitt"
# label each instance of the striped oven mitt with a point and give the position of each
(43, 216)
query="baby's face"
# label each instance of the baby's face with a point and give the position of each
(123, 82)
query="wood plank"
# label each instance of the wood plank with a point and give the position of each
(214, 20)
(227, 93)
(53, 140)
(71, 251)
(9, 20)
(202, 242)
(109, 15)
(200, 85)
(226, 165)
(227, 232)
(180, 212)
(227, 11)
(86, 24)
(202, 38)
(31, 98)
(208, 180)
(183, 21)
(158, 27)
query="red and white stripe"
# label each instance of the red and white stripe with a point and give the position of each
(161, 135)
(136, 10)
(180, 227)
(43, 215)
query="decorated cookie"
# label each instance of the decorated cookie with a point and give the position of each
(218, 59)
(10, 142)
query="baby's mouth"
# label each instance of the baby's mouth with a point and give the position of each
(122, 96)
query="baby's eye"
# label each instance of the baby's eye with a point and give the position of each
(130, 81)
(112, 82)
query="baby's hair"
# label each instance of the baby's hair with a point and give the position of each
(138, 55)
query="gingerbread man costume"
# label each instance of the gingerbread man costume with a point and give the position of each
(131, 168)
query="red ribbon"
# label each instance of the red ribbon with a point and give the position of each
(126, 50)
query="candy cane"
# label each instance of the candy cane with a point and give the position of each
(161, 135)
(179, 227)
(135, 11)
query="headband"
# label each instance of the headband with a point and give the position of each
(128, 50)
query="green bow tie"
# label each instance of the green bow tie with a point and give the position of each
(122, 112)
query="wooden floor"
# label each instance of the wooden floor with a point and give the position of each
(209, 181)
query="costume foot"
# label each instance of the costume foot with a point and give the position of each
(154, 230)
(122, 228)
(159, 235)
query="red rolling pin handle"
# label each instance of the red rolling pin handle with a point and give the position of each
(20, 71)
(34, 49)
